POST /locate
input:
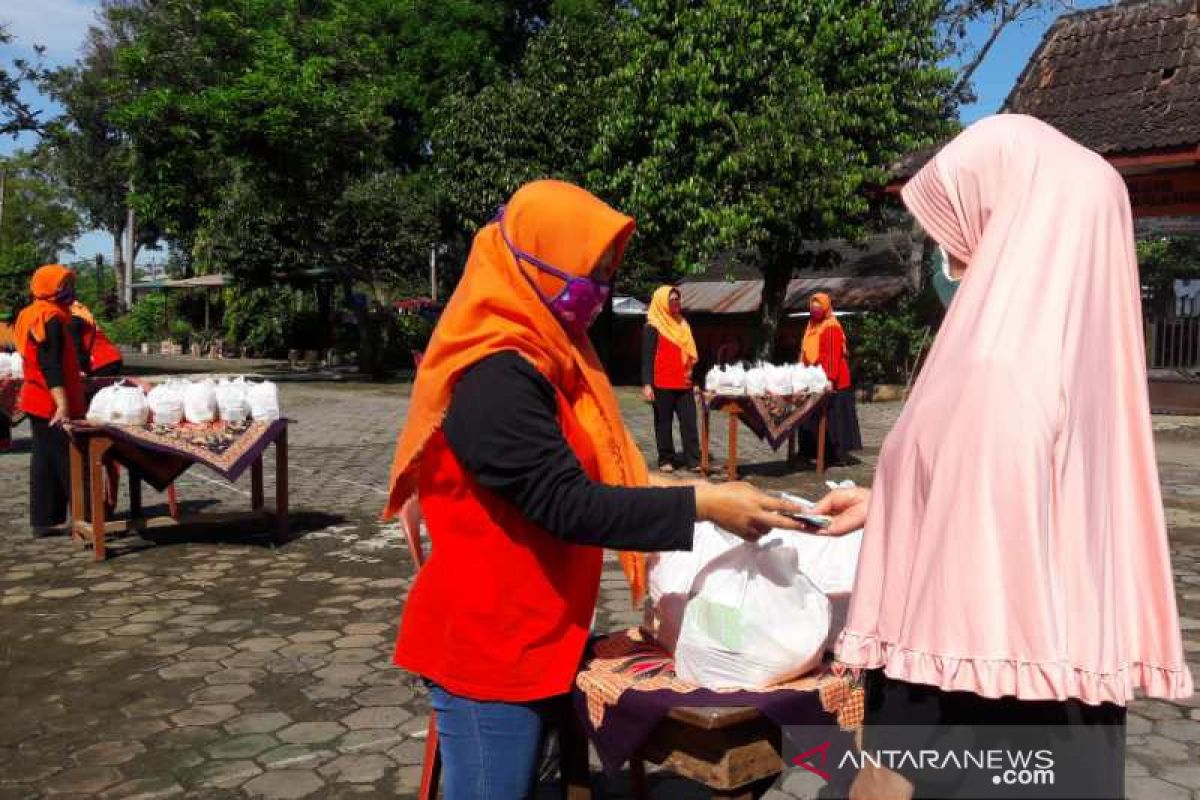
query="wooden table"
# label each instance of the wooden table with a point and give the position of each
(734, 409)
(88, 447)
(736, 752)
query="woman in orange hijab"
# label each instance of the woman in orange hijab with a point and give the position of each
(525, 471)
(825, 345)
(52, 392)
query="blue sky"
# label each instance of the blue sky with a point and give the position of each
(60, 25)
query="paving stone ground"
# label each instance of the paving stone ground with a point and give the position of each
(216, 665)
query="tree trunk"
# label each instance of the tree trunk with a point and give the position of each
(776, 276)
(118, 263)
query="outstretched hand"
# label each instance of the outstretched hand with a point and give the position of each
(744, 510)
(848, 507)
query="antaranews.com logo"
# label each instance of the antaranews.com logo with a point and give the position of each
(1045, 762)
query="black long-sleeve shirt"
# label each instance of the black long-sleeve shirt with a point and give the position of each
(503, 427)
(649, 351)
(50, 353)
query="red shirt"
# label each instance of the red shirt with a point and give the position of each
(669, 371)
(501, 610)
(833, 358)
(103, 352)
(36, 399)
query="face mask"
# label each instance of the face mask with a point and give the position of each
(65, 296)
(817, 314)
(943, 284)
(579, 302)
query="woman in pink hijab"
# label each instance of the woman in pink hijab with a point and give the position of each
(1015, 567)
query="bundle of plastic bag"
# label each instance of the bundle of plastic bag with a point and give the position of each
(779, 380)
(753, 620)
(264, 401)
(232, 404)
(128, 405)
(756, 381)
(5, 366)
(166, 401)
(200, 401)
(100, 411)
(16, 367)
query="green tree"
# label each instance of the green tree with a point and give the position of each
(38, 223)
(89, 153)
(748, 128)
(1162, 261)
(16, 113)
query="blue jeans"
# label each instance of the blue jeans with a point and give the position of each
(489, 750)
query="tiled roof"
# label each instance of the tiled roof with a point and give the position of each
(1121, 78)
(744, 297)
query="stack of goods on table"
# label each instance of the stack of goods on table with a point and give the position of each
(785, 380)
(748, 615)
(177, 401)
(11, 367)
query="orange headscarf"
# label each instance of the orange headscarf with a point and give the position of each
(495, 309)
(811, 348)
(670, 327)
(78, 309)
(45, 285)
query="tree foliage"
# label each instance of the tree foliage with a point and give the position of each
(751, 128)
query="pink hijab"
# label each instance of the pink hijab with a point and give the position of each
(1016, 543)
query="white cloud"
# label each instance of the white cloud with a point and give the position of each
(58, 25)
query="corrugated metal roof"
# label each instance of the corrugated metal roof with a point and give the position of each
(745, 297)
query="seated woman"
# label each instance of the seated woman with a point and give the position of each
(825, 344)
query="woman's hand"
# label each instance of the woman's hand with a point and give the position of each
(648, 393)
(60, 407)
(877, 783)
(743, 510)
(848, 507)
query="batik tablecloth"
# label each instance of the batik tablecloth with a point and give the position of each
(161, 453)
(772, 418)
(629, 685)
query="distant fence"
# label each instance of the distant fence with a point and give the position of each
(1173, 343)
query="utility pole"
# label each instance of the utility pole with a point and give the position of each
(3, 187)
(433, 272)
(130, 221)
(99, 278)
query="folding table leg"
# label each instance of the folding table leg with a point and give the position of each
(78, 495)
(732, 467)
(281, 483)
(97, 447)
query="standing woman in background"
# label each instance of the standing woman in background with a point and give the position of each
(668, 358)
(52, 393)
(8, 344)
(98, 356)
(825, 345)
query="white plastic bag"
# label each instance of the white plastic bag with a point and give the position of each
(264, 401)
(756, 381)
(232, 405)
(16, 366)
(753, 620)
(669, 581)
(712, 381)
(128, 405)
(166, 402)
(733, 380)
(100, 409)
(779, 381)
(5, 366)
(200, 401)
